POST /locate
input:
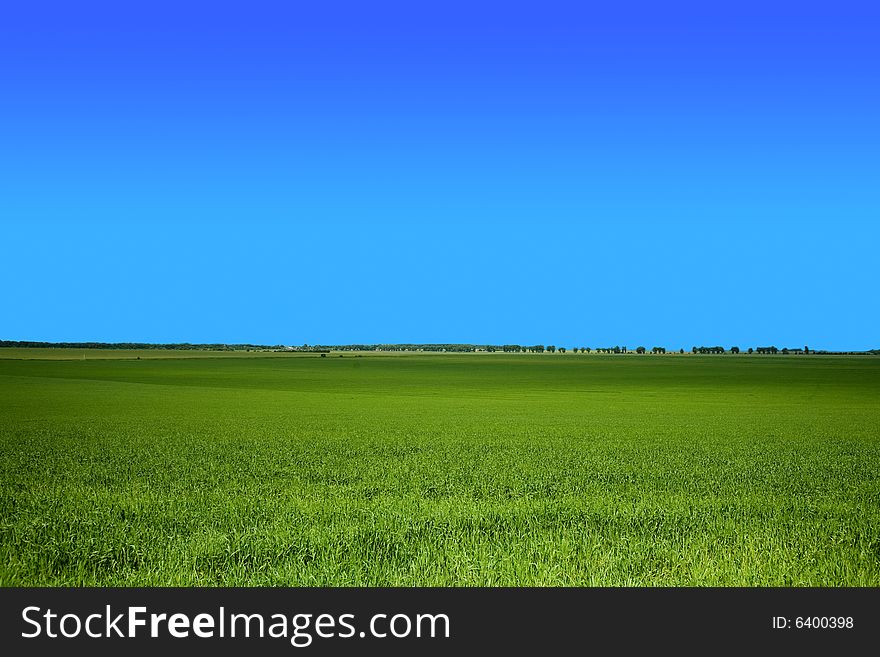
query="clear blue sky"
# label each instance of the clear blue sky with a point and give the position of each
(570, 173)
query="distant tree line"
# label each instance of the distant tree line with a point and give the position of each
(431, 347)
(552, 349)
(182, 346)
(707, 350)
(540, 349)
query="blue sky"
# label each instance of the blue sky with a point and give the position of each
(571, 173)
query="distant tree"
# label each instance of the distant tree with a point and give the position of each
(640, 350)
(587, 349)
(681, 351)
(551, 348)
(751, 351)
(693, 350)
(561, 350)
(806, 349)
(734, 350)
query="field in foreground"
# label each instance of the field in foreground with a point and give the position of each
(441, 470)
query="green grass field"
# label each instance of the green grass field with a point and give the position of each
(439, 470)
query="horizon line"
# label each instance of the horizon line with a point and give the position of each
(518, 347)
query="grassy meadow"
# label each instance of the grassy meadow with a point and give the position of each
(474, 469)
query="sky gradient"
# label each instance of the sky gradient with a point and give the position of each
(565, 173)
